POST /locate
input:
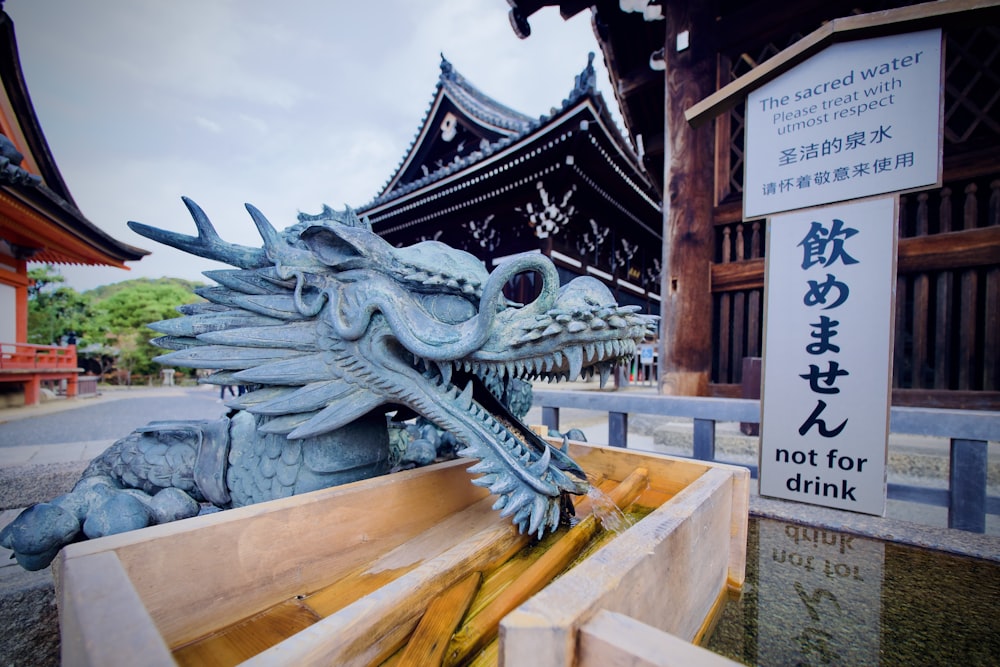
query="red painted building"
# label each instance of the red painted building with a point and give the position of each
(39, 222)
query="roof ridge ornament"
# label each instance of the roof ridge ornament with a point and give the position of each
(584, 83)
(447, 69)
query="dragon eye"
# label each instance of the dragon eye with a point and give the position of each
(448, 308)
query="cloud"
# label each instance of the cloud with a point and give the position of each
(285, 106)
(207, 124)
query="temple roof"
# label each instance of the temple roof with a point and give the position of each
(40, 221)
(494, 182)
(463, 126)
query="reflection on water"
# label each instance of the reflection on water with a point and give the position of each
(819, 597)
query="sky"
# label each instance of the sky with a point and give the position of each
(286, 105)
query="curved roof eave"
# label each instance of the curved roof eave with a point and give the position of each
(479, 107)
(46, 192)
(500, 150)
(584, 90)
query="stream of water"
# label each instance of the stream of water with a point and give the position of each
(612, 518)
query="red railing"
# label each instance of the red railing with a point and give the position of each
(24, 356)
(30, 365)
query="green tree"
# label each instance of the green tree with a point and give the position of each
(110, 321)
(130, 306)
(54, 310)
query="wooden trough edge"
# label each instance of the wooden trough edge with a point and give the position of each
(683, 547)
(114, 587)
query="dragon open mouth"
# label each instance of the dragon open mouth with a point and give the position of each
(581, 338)
(330, 323)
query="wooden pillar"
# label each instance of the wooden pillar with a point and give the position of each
(33, 390)
(686, 325)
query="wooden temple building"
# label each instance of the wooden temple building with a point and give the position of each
(667, 56)
(39, 222)
(490, 180)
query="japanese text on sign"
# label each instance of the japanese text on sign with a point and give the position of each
(827, 354)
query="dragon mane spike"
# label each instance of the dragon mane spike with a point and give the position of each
(351, 219)
(207, 244)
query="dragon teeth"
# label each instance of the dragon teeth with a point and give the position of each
(540, 466)
(445, 369)
(575, 357)
(605, 374)
(465, 400)
(503, 486)
(485, 466)
(553, 519)
(523, 515)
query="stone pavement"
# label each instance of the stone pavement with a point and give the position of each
(43, 451)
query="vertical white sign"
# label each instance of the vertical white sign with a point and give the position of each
(827, 355)
(857, 119)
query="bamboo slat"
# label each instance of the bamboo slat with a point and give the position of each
(480, 629)
(430, 640)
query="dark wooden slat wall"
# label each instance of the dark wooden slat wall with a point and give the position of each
(947, 320)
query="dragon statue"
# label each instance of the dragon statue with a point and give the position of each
(329, 329)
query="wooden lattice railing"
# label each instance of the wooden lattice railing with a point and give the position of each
(20, 356)
(947, 327)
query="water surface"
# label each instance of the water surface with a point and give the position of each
(820, 597)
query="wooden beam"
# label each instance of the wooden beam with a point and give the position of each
(950, 250)
(638, 78)
(611, 638)
(946, 399)
(13, 279)
(652, 144)
(936, 252)
(848, 28)
(570, 8)
(735, 276)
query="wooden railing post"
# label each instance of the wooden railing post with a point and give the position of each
(618, 429)
(550, 417)
(967, 506)
(704, 439)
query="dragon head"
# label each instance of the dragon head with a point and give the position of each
(329, 322)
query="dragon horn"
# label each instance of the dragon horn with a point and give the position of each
(207, 244)
(264, 228)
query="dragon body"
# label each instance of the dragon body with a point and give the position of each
(329, 329)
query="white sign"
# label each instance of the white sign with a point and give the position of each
(646, 354)
(857, 119)
(827, 355)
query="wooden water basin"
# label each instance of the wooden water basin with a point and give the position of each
(344, 575)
